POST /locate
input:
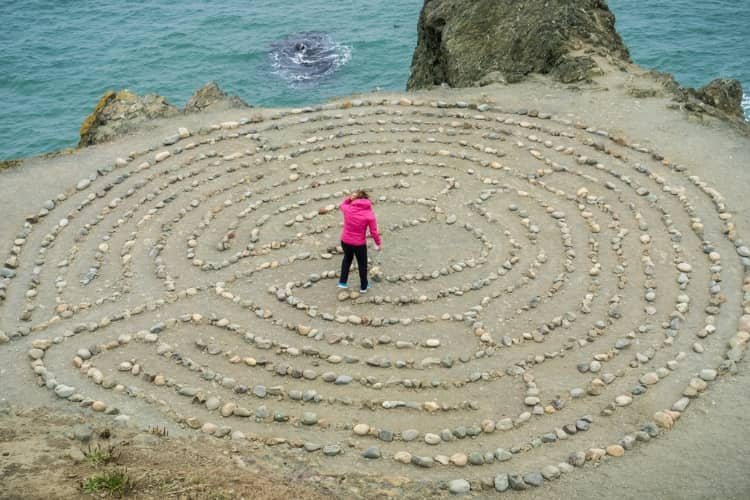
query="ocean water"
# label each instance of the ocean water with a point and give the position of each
(57, 57)
(696, 41)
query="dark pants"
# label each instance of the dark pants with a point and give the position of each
(350, 251)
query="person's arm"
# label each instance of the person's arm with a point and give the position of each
(345, 204)
(373, 224)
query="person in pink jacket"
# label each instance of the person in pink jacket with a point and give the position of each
(358, 216)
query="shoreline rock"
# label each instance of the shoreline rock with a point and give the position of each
(212, 97)
(460, 42)
(723, 94)
(118, 113)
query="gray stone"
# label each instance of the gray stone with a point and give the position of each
(501, 482)
(188, 391)
(410, 435)
(309, 418)
(75, 454)
(577, 458)
(533, 478)
(83, 432)
(331, 450)
(371, 452)
(550, 472)
(425, 462)
(64, 391)
(385, 435)
(310, 447)
(459, 486)
(516, 482)
(502, 455)
(280, 416)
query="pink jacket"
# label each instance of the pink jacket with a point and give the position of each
(358, 216)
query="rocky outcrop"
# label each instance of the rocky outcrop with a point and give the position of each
(723, 94)
(461, 42)
(211, 97)
(118, 113)
(122, 112)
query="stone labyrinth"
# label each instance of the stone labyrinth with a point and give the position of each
(548, 294)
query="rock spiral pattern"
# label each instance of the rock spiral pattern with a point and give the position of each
(545, 285)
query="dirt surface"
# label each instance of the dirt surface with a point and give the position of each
(198, 286)
(43, 456)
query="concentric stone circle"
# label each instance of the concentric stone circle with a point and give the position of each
(544, 285)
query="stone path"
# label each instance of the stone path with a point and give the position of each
(548, 294)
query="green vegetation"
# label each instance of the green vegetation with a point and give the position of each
(102, 455)
(115, 482)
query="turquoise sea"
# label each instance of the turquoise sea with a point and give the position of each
(58, 56)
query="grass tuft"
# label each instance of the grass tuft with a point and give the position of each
(102, 455)
(115, 482)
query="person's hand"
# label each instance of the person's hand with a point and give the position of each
(379, 247)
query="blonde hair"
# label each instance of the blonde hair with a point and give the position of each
(360, 194)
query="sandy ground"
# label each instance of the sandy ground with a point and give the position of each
(701, 458)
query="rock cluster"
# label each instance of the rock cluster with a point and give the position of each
(122, 112)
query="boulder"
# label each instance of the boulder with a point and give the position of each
(118, 113)
(463, 42)
(210, 96)
(122, 112)
(723, 94)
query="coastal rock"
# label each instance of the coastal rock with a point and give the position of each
(118, 113)
(210, 96)
(121, 112)
(460, 42)
(724, 94)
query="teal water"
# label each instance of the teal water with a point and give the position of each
(696, 41)
(57, 57)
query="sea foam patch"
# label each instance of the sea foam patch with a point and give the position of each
(307, 56)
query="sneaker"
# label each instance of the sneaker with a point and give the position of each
(365, 290)
(342, 285)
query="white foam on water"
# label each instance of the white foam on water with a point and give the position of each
(321, 57)
(746, 106)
